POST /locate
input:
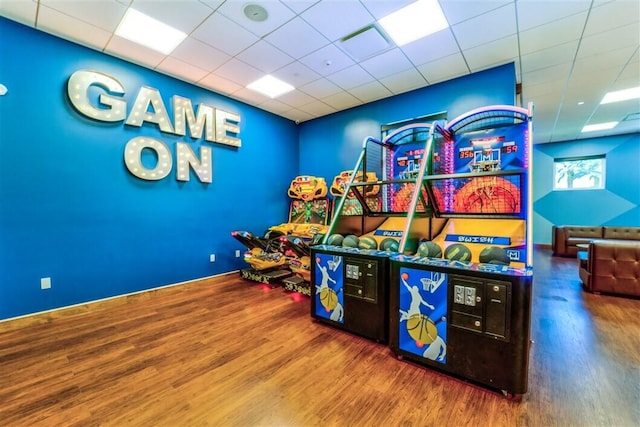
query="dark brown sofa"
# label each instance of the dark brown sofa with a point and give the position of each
(612, 267)
(565, 238)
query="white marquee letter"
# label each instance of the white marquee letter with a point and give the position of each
(78, 92)
(133, 158)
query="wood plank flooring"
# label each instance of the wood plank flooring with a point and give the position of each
(235, 353)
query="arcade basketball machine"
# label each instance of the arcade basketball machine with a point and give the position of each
(350, 269)
(462, 303)
(282, 255)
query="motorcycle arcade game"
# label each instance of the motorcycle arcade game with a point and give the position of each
(350, 271)
(282, 255)
(466, 309)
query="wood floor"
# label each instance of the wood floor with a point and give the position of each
(235, 353)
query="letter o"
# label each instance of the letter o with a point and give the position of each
(133, 158)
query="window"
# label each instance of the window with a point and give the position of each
(579, 173)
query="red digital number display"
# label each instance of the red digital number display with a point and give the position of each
(468, 154)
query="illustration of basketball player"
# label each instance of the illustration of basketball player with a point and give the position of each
(328, 296)
(416, 300)
(325, 278)
(421, 327)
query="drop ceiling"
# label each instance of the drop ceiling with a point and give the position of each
(567, 53)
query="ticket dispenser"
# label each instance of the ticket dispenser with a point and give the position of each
(350, 290)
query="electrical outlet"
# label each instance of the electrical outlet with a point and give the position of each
(237, 253)
(45, 283)
(212, 258)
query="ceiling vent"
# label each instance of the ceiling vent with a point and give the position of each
(365, 43)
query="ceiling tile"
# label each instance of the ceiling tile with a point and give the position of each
(181, 70)
(299, 6)
(213, 4)
(320, 88)
(296, 115)
(351, 77)
(552, 34)
(200, 54)
(444, 68)
(550, 57)
(264, 57)
(133, 52)
(277, 12)
(183, 15)
(493, 25)
(435, 46)
(337, 19)
(274, 106)
(532, 13)
(239, 72)
(296, 98)
(457, 11)
(296, 74)
(297, 38)
(224, 34)
(219, 84)
(20, 11)
(386, 64)
(619, 13)
(605, 60)
(342, 101)
(627, 36)
(371, 91)
(52, 21)
(251, 96)
(327, 60)
(491, 54)
(317, 108)
(403, 81)
(105, 14)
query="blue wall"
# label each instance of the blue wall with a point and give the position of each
(337, 138)
(617, 204)
(70, 210)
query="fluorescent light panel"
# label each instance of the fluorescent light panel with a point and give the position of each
(149, 32)
(599, 126)
(270, 86)
(414, 21)
(621, 95)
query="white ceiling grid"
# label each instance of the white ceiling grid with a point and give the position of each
(565, 51)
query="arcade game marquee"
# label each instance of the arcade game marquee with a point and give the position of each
(281, 256)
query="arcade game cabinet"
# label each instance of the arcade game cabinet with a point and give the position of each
(350, 269)
(462, 303)
(282, 255)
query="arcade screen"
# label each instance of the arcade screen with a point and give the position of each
(491, 162)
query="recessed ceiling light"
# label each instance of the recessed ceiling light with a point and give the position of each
(580, 102)
(621, 95)
(270, 86)
(147, 31)
(599, 126)
(414, 21)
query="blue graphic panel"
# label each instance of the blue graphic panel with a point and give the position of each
(329, 279)
(423, 313)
